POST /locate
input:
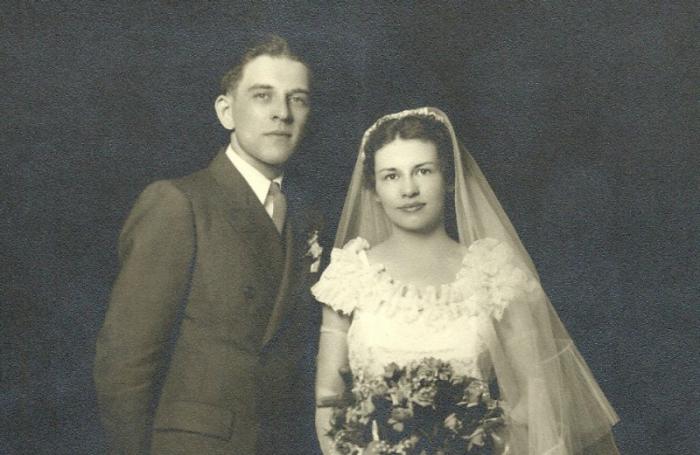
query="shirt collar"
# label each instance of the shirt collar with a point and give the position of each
(255, 179)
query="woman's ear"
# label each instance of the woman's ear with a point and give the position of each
(224, 111)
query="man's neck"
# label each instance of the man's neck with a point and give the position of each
(269, 171)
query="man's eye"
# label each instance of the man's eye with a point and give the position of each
(425, 171)
(262, 96)
(300, 100)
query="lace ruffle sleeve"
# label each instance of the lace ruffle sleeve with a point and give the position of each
(505, 281)
(347, 274)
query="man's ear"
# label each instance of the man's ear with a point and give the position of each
(224, 110)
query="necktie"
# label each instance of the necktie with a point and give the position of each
(279, 205)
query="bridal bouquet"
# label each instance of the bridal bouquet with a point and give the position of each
(421, 409)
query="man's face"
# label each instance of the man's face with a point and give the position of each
(268, 110)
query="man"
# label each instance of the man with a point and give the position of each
(207, 343)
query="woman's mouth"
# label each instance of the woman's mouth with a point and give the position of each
(412, 207)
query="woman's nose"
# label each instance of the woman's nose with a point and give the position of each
(409, 188)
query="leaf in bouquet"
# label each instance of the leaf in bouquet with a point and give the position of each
(401, 420)
(338, 418)
(452, 423)
(475, 391)
(445, 371)
(393, 372)
(347, 441)
(365, 408)
(401, 414)
(403, 389)
(424, 372)
(425, 396)
(474, 413)
(393, 431)
(425, 421)
(476, 439)
(489, 425)
(447, 397)
(382, 404)
(346, 375)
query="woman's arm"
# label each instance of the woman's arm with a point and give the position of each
(332, 358)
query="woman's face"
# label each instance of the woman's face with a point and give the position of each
(410, 184)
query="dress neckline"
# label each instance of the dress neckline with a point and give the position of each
(436, 291)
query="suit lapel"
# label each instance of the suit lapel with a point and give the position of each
(247, 216)
(276, 259)
(284, 305)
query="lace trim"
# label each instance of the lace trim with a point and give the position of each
(488, 281)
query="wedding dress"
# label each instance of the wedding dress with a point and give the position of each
(397, 322)
(493, 321)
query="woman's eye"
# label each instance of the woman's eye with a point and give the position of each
(424, 171)
(390, 176)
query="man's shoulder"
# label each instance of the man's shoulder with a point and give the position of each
(193, 184)
(177, 190)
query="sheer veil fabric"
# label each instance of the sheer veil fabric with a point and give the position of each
(555, 405)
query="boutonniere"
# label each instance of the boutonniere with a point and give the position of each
(314, 251)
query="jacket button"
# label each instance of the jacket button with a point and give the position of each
(248, 292)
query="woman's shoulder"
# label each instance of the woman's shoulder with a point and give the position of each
(490, 249)
(495, 264)
(352, 254)
(377, 254)
(486, 244)
(347, 273)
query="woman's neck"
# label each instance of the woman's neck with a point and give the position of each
(423, 259)
(419, 244)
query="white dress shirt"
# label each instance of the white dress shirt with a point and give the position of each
(255, 179)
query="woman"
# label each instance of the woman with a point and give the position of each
(409, 283)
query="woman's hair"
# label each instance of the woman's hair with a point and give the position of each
(415, 126)
(425, 128)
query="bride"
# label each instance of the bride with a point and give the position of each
(427, 264)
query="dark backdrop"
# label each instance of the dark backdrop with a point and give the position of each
(582, 117)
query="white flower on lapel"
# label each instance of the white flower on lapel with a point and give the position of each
(314, 251)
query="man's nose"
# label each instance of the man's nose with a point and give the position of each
(282, 112)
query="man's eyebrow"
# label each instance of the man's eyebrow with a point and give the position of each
(295, 91)
(259, 87)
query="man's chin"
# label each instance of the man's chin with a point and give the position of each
(278, 155)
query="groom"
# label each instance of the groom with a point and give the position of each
(207, 346)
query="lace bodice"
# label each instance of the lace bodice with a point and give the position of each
(397, 322)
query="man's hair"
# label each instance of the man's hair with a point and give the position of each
(272, 45)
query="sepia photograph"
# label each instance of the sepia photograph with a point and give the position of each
(349, 228)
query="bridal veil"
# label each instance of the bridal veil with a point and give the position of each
(556, 406)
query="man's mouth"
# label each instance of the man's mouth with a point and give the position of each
(412, 207)
(279, 134)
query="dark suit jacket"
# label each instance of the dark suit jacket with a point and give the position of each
(208, 342)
